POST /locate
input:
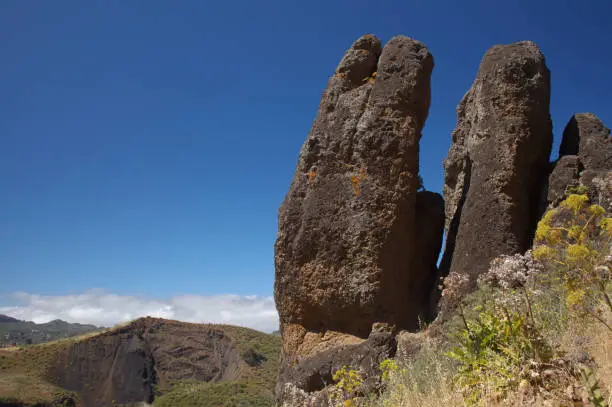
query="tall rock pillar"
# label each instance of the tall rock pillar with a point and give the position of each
(346, 252)
(498, 161)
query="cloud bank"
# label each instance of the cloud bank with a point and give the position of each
(106, 309)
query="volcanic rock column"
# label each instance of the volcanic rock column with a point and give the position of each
(497, 165)
(345, 253)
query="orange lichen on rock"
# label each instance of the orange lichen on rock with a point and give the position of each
(356, 181)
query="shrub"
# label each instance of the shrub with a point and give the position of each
(347, 383)
(526, 334)
(509, 341)
(573, 241)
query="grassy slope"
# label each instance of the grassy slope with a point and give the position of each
(23, 370)
(254, 386)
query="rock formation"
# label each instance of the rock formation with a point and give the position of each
(565, 173)
(304, 383)
(585, 157)
(498, 161)
(348, 251)
(587, 137)
(129, 364)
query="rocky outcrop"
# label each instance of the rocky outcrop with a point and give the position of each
(128, 363)
(304, 383)
(345, 251)
(348, 251)
(585, 158)
(588, 138)
(498, 161)
(565, 174)
(599, 184)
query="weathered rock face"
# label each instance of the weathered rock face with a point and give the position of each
(304, 384)
(498, 161)
(127, 363)
(588, 138)
(585, 157)
(599, 184)
(348, 252)
(564, 174)
(346, 248)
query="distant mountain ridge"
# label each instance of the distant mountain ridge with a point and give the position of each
(16, 332)
(6, 319)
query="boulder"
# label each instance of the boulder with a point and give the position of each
(497, 165)
(305, 383)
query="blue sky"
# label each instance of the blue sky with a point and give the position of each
(145, 146)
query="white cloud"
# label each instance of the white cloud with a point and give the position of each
(101, 308)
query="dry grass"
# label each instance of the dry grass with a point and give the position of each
(427, 379)
(600, 348)
(26, 389)
(423, 381)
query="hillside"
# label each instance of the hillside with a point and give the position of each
(167, 363)
(16, 332)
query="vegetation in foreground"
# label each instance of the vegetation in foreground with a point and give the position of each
(537, 332)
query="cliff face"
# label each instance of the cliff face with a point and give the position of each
(497, 165)
(129, 364)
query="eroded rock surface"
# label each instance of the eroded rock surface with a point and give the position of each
(345, 252)
(127, 364)
(498, 161)
(588, 138)
(348, 252)
(565, 173)
(305, 382)
(585, 158)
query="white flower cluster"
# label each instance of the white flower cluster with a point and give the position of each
(455, 287)
(510, 272)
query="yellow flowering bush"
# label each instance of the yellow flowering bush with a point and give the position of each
(575, 240)
(344, 392)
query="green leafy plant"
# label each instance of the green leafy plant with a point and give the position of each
(389, 367)
(347, 383)
(495, 351)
